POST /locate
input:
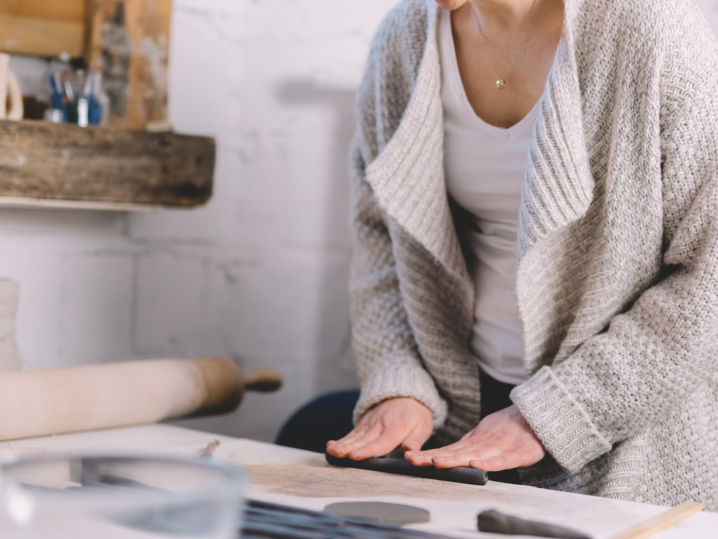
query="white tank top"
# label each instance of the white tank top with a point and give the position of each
(484, 168)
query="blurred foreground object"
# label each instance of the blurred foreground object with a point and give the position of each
(9, 353)
(43, 27)
(128, 42)
(78, 97)
(11, 104)
(53, 401)
(117, 496)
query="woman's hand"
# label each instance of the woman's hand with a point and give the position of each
(397, 421)
(502, 441)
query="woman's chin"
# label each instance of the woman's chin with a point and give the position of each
(450, 5)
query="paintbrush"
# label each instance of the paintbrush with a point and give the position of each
(209, 450)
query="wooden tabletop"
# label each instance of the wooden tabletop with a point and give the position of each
(304, 479)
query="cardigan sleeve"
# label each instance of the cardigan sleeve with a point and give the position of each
(651, 357)
(386, 354)
(385, 350)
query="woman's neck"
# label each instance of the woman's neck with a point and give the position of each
(501, 15)
(506, 13)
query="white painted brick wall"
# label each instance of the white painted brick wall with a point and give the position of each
(260, 273)
(96, 307)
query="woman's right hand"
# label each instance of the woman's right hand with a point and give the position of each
(390, 423)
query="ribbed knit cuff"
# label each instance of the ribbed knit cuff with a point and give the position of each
(401, 381)
(560, 422)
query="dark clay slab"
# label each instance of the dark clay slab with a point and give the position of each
(388, 513)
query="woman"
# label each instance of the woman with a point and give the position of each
(614, 230)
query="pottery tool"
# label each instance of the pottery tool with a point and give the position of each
(492, 521)
(207, 453)
(662, 521)
(57, 97)
(469, 476)
(495, 522)
(54, 401)
(389, 513)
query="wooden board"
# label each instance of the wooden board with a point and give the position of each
(128, 41)
(49, 162)
(42, 27)
(304, 479)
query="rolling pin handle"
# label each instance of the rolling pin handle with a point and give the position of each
(263, 381)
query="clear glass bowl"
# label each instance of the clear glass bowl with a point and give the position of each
(128, 497)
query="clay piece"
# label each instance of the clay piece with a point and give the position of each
(387, 513)
(492, 521)
(469, 476)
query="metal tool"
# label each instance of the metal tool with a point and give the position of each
(469, 476)
(495, 522)
(209, 450)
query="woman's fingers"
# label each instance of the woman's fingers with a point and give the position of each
(383, 428)
(417, 458)
(424, 458)
(497, 456)
(417, 438)
(341, 451)
(379, 447)
(349, 438)
(502, 441)
(463, 458)
(359, 431)
(507, 461)
(346, 445)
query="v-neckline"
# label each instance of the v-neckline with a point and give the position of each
(407, 175)
(446, 35)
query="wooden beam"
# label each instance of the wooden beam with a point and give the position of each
(42, 27)
(120, 168)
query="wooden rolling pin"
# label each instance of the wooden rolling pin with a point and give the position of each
(53, 401)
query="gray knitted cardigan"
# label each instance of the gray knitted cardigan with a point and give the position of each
(617, 279)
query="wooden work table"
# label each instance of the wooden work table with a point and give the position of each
(303, 479)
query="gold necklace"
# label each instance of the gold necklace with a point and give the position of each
(500, 81)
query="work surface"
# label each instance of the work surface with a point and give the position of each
(304, 479)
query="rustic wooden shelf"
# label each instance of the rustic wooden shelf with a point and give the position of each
(44, 164)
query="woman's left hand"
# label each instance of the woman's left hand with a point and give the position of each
(502, 441)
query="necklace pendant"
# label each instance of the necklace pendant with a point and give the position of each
(500, 84)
